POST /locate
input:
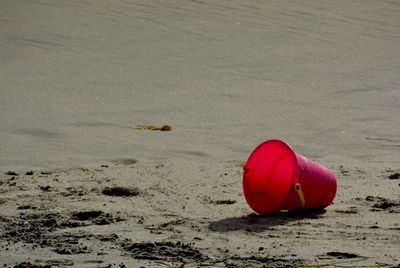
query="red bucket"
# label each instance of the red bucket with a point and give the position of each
(276, 178)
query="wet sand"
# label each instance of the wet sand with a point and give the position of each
(77, 77)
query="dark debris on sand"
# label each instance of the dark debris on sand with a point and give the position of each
(121, 191)
(342, 255)
(164, 251)
(69, 250)
(31, 265)
(225, 202)
(186, 253)
(261, 261)
(394, 176)
(86, 215)
(380, 203)
(11, 173)
(38, 230)
(385, 205)
(30, 228)
(97, 217)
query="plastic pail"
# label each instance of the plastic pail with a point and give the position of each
(276, 178)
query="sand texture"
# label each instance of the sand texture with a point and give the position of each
(185, 214)
(124, 126)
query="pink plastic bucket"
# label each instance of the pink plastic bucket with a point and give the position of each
(278, 179)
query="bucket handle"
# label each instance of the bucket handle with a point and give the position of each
(300, 193)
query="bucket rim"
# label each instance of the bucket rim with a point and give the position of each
(290, 181)
(295, 177)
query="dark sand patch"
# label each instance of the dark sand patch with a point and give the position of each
(121, 191)
(342, 255)
(164, 251)
(394, 176)
(97, 217)
(125, 161)
(262, 261)
(31, 265)
(86, 215)
(380, 203)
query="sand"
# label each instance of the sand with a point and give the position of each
(77, 77)
(167, 213)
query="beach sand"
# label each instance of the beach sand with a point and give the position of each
(165, 213)
(81, 186)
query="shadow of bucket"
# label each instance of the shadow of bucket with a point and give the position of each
(278, 179)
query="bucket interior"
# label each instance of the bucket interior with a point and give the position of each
(268, 176)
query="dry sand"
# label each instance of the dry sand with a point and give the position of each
(174, 213)
(76, 77)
